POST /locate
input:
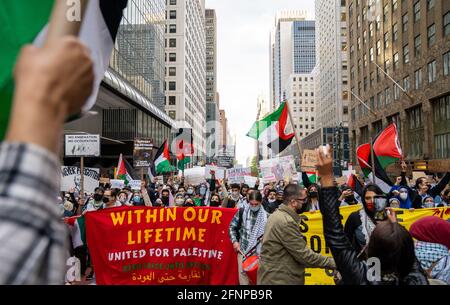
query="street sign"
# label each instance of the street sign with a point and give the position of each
(142, 153)
(82, 145)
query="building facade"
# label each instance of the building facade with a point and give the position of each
(262, 152)
(224, 127)
(186, 68)
(332, 77)
(410, 41)
(132, 92)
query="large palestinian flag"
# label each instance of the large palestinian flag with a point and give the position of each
(184, 147)
(386, 150)
(122, 172)
(25, 21)
(271, 130)
(162, 159)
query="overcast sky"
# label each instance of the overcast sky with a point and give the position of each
(243, 59)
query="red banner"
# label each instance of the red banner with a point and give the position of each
(162, 246)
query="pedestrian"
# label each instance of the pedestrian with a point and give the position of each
(246, 228)
(446, 197)
(347, 196)
(270, 203)
(179, 200)
(96, 201)
(312, 203)
(215, 200)
(427, 202)
(110, 199)
(233, 200)
(284, 252)
(122, 196)
(431, 229)
(389, 242)
(423, 189)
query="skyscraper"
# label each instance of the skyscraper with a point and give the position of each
(186, 67)
(332, 81)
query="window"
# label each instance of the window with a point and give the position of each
(415, 118)
(406, 54)
(441, 146)
(405, 22)
(379, 100)
(430, 4)
(417, 45)
(172, 100)
(446, 63)
(371, 33)
(396, 93)
(418, 79)
(372, 79)
(172, 14)
(431, 35)
(378, 20)
(395, 61)
(365, 60)
(172, 71)
(395, 32)
(417, 11)
(371, 54)
(378, 48)
(446, 24)
(172, 86)
(359, 43)
(406, 83)
(386, 40)
(172, 57)
(173, 2)
(172, 28)
(365, 37)
(172, 114)
(365, 84)
(394, 5)
(432, 71)
(387, 94)
(387, 66)
(172, 42)
(385, 13)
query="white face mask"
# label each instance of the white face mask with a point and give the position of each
(255, 209)
(403, 196)
(272, 200)
(179, 202)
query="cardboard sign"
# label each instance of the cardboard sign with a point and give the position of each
(309, 160)
(82, 145)
(236, 175)
(135, 184)
(278, 169)
(117, 184)
(219, 172)
(71, 178)
(142, 153)
(194, 176)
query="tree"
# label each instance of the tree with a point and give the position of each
(254, 166)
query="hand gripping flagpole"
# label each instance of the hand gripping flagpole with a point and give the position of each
(66, 19)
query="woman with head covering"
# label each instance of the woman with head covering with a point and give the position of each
(427, 202)
(431, 229)
(394, 202)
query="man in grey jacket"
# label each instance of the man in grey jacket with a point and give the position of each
(284, 253)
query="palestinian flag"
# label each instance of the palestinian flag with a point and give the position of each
(386, 149)
(312, 177)
(122, 173)
(77, 228)
(355, 184)
(25, 21)
(162, 159)
(271, 130)
(363, 156)
(184, 147)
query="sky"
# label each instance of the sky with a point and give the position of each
(243, 28)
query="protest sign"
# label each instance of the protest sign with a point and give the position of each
(219, 172)
(82, 145)
(311, 227)
(71, 178)
(153, 246)
(194, 176)
(135, 184)
(142, 153)
(117, 184)
(236, 175)
(309, 161)
(278, 169)
(250, 181)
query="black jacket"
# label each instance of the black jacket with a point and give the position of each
(351, 268)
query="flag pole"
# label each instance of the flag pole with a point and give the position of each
(293, 127)
(372, 161)
(82, 177)
(65, 20)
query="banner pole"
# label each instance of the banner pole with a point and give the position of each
(372, 161)
(82, 177)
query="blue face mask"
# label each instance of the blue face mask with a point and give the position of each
(137, 199)
(202, 191)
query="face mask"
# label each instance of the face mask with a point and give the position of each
(137, 199)
(179, 202)
(202, 191)
(214, 203)
(105, 200)
(429, 204)
(272, 200)
(188, 204)
(403, 196)
(350, 198)
(68, 206)
(165, 200)
(313, 194)
(190, 191)
(98, 197)
(255, 209)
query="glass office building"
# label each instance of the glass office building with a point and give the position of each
(304, 46)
